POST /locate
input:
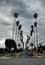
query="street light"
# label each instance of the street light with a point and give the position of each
(35, 24)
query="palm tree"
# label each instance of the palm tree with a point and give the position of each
(16, 15)
(21, 33)
(19, 26)
(19, 29)
(14, 26)
(21, 38)
(31, 33)
(32, 45)
(28, 36)
(35, 24)
(19, 45)
(35, 15)
(32, 28)
(17, 23)
(23, 45)
(27, 41)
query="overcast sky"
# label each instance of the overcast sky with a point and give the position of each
(26, 9)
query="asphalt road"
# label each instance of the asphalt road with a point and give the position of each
(23, 59)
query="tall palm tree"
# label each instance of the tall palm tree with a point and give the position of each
(32, 28)
(35, 24)
(35, 15)
(23, 45)
(16, 15)
(32, 45)
(28, 37)
(14, 26)
(21, 33)
(19, 26)
(17, 23)
(27, 41)
(19, 29)
(19, 45)
(21, 38)
(31, 33)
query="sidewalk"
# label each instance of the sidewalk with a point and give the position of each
(3, 57)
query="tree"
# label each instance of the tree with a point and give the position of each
(32, 28)
(19, 45)
(27, 41)
(35, 24)
(14, 26)
(17, 23)
(35, 15)
(21, 33)
(10, 43)
(32, 45)
(21, 40)
(16, 15)
(31, 33)
(19, 26)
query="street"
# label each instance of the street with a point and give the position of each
(23, 59)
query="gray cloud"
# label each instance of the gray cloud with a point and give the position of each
(4, 32)
(25, 8)
(43, 3)
(17, 6)
(4, 23)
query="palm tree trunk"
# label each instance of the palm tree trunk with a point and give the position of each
(14, 28)
(37, 37)
(34, 36)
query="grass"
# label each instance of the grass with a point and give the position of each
(2, 55)
(9, 55)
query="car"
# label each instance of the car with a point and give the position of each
(30, 53)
